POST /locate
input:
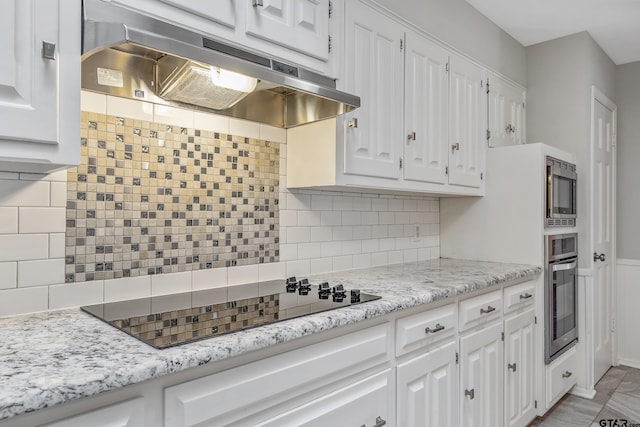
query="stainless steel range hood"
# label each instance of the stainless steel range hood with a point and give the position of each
(135, 56)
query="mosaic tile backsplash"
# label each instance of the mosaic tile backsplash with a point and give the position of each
(151, 198)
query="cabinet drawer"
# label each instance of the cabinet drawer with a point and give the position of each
(424, 329)
(125, 414)
(521, 295)
(230, 395)
(477, 310)
(561, 376)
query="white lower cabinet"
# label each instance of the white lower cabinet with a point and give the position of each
(126, 414)
(519, 358)
(427, 389)
(561, 376)
(481, 387)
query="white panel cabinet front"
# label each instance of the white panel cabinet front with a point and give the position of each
(301, 25)
(506, 113)
(222, 11)
(374, 72)
(427, 392)
(39, 85)
(481, 386)
(125, 414)
(519, 331)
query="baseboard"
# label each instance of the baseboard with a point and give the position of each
(629, 362)
(587, 393)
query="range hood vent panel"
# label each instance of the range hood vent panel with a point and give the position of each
(166, 64)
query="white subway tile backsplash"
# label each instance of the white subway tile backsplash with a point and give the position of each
(297, 201)
(410, 255)
(288, 251)
(396, 257)
(396, 230)
(42, 220)
(424, 254)
(298, 234)
(362, 261)
(20, 247)
(209, 278)
(93, 102)
(351, 218)
(8, 220)
(24, 300)
(58, 195)
(309, 250)
(344, 262)
(387, 217)
(137, 110)
(169, 283)
(351, 247)
(379, 258)
(8, 275)
(298, 268)
(342, 233)
(370, 218)
(403, 218)
(388, 244)
(56, 245)
(24, 193)
(321, 265)
(173, 116)
(272, 133)
(210, 122)
(396, 204)
(371, 245)
(69, 295)
(40, 272)
(378, 231)
(343, 203)
(243, 274)
(322, 233)
(244, 128)
(321, 202)
(362, 203)
(410, 205)
(331, 218)
(288, 218)
(362, 232)
(272, 271)
(379, 205)
(329, 249)
(127, 288)
(308, 218)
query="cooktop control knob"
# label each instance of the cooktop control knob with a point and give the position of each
(292, 285)
(355, 296)
(324, 290)
(339, 294)
(304, 287)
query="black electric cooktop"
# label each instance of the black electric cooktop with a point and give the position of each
(170, 320)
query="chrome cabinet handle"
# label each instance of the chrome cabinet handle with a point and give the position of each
(455, 147)
(566, 374)
(411, 136)
(48, 50)
(353, 123)
(510, 128)
(257, 3)
(470, 393)
(379, 422)
(601, 257)
(489, 309)
(511, 366)
(525, 296)
(438, 328)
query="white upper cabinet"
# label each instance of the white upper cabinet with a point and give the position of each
(506, 113)
(301, 25)
(467, 123)
(425, 112)
(39, 85)
(221, 11)
(374, 72)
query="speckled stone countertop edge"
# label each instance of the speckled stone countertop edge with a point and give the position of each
(68, 354)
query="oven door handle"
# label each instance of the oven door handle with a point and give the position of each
(561, 267)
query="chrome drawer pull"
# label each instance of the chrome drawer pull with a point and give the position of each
(567, 374)
(525, 296)
(511, 366)
(438, 328)
(470, 393)
(379, 422)
(489, 309)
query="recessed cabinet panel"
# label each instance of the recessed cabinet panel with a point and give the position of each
(426, 105)
(427, 389)
(220, 11)
(506, 113)
(125, 414)
(302, 25)
(467, 123)
(374, 64)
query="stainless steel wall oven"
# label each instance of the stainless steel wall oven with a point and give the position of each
(561, 294)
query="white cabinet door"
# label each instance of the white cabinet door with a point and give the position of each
(363, 403)
(427, 391)
(481, 386)
(125, 414)
(467, 123)
(221, 11)
(520, 369)
(426, 106)
(301, 25)
(374, 72)
(506, 113)
(39, 87)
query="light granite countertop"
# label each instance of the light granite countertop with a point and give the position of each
(50, 358)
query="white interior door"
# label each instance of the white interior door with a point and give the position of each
(603, 130)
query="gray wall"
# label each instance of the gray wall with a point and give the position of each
(628, 100)
(457, 23)
(560, 75)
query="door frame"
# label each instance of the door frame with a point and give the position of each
(598, 96)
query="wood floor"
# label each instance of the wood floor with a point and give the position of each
(617, 399)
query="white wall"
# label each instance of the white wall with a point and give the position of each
(560, 75)
(458, 24)
(628, 315)
(320, 231)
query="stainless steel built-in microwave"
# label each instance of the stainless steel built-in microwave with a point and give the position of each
(561, 193)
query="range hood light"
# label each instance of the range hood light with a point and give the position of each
(230, 80)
